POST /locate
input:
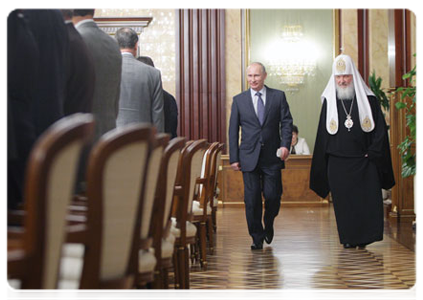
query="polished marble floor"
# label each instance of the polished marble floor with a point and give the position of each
(305, 254)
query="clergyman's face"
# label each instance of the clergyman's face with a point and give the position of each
(256, 77)
(343, 81)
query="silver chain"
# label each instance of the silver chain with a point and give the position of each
(348, 122)
(352, 103)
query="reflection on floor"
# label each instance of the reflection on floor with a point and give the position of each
(305, 254)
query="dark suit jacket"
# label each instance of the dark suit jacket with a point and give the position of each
(52, 39)
(81, 76)
(170, 114)
(108, 71)
(22, 66)
(257, 140)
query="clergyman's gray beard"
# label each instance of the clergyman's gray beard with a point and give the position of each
(345, 93)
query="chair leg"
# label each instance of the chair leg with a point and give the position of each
(186, 269)
(193, 253)
(210, 234)
(214, 212)
(203, 247)
(183, 267)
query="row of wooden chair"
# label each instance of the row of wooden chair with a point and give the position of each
(136, 220)
(204, 206)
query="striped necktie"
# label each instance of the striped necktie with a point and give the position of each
(260, 108)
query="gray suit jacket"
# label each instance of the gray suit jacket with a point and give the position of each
(107, 65)
(141, 94)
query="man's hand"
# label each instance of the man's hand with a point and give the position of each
(284, 153)
(236, 166)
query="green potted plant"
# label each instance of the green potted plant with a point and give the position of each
(408, 103)
(375, 86)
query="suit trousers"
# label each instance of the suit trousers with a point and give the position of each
(266, 181)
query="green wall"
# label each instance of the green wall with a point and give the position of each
(317, 25)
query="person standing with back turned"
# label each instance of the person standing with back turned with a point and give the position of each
(266, 129)
(141, 92)
(108, 69)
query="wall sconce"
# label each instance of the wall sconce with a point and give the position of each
(292, 58)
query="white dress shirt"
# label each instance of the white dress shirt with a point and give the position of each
(255, 98)
(301, 147)
(127, 54)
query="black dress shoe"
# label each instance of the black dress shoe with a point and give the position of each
(256, 246)
(362, 246)
(346, 246)
(268, 237)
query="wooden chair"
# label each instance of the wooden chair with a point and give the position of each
(201, 205)
(163, 239)
(189, 169)
(147, 254)
(34, 252)
(216, 161)
(116, 181)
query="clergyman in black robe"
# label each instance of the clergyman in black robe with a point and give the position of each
(351, 157)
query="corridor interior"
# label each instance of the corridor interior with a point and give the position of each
(305, 254)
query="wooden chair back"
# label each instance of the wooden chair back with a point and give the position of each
(49, 184)
(180, 171)
(165, 188)
(116, 181)
(205, 181)
(189, 170)
(152, 177)
(160, 227)
(216, 159)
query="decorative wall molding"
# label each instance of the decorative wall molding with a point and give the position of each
(403, 191)
(111, 24)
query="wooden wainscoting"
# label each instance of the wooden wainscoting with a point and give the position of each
(295, 181)
(403, 191)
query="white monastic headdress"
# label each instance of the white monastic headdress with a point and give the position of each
(344, 65)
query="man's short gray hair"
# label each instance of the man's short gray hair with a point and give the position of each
(263, 68)
(126, 38)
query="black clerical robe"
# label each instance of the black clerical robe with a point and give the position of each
(354, 166)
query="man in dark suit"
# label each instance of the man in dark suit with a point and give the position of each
(108, 73)
(266, 132)
(38, 49)
(81, 75)
(108, 69)
(51, 35)
(22, 65)
(169, 105)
